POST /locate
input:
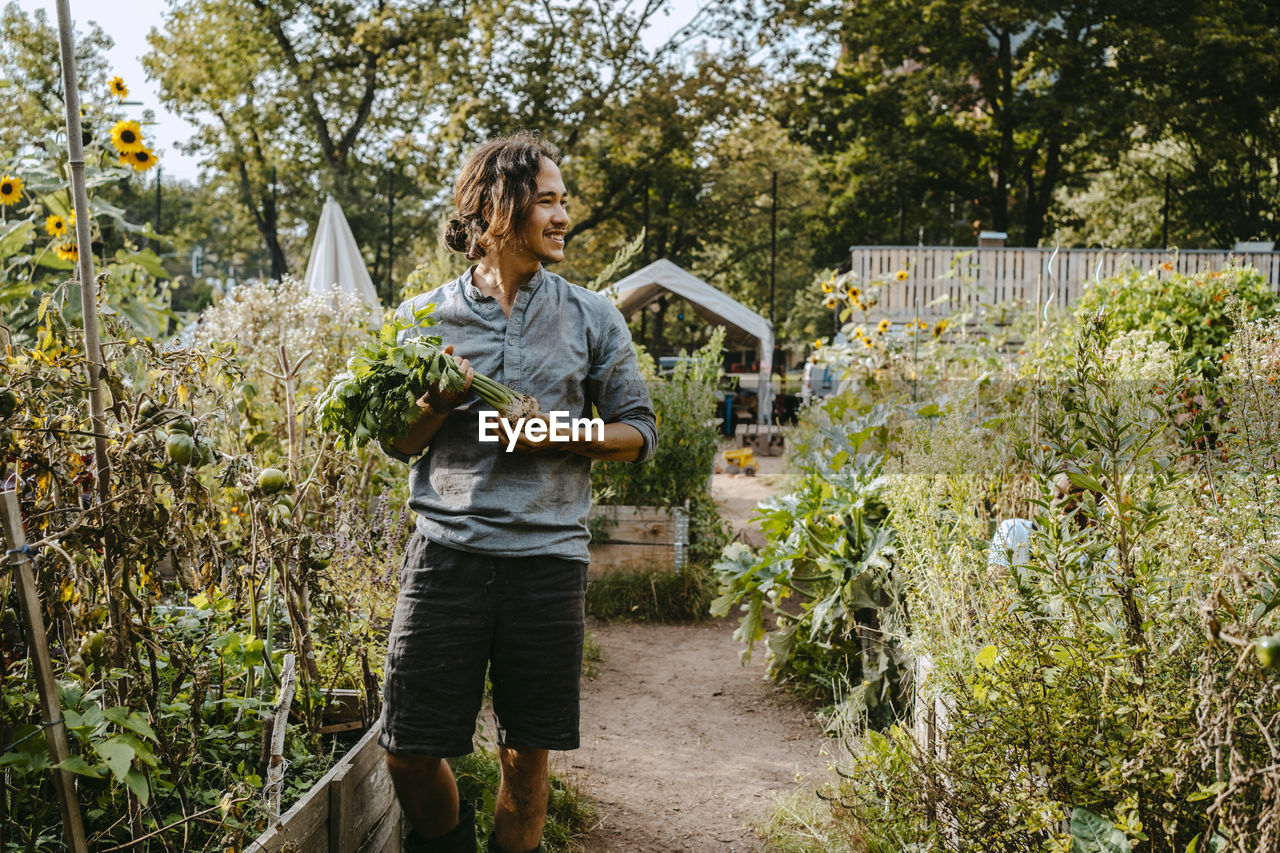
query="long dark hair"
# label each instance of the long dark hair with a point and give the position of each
(497, 184)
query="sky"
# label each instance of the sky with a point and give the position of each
(129, 31)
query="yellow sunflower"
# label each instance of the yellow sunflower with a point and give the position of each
(860, 332)
(883, 326)
(901, 275)
(55, 225)
(939, 328)
(854, 293)
(68, 251)
(118, 88)
(10, 190)
(817, 344)
(868, 343)
(831, 301)
(828, 287)
(922, 324)
(139, 160)
(126, 136)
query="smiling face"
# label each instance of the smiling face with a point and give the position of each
(545, 223)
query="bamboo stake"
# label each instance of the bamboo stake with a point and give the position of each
(84, 247)
(280, 723)
(38, 646)
(94, 364)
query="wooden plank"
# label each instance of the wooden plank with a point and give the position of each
(373, 797)
(308, 819)
(38, 646)
(631, 558)
(342, 814)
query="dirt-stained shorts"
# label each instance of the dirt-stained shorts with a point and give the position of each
(460, 613)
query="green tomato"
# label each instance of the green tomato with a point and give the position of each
(272, 480)
(179, 448)
(9, 402)
(183, 424)
(1268, 651)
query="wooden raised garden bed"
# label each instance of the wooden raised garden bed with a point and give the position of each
(639, 538)
(352, 809)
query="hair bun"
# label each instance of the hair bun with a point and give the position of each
(456, 234)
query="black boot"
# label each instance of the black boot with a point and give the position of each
(495, 847)
(460, 839)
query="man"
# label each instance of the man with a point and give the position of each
(496, 572)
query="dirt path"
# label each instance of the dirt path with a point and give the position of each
(682, 745)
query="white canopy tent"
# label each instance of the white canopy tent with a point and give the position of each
(336, 259)
(649, 284)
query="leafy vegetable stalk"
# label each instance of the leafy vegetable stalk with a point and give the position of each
(376, 397)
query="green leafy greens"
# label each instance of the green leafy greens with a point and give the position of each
(376, 397)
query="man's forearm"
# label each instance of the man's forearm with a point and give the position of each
(420, 434)
(620, 443)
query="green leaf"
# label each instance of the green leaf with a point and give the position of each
(137, 782)
(1093, 833)
(118, 755)
(146, 258)
(77, 764)
(131, 720)
(15, 237)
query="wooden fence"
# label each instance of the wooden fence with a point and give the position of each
(946, 279)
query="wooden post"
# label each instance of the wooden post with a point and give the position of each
(342, 792)
(38, 646)
(275, 770)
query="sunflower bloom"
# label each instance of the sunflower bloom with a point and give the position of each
(118, 88)
(141, 161)
(817, 344)
(922, 324)
(860, 332)
(939, 328)
(868, 343)
(831, 301)
(883, 326)
(126, 136)
(55, 225)
(68, 252)
(10, 190)
(901, 275)
(854, 293)
(828, 287)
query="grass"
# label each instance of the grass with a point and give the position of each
(569, 814)
(660, 595)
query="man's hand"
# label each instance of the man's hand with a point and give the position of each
(525, 445)
(435, 406)
(442, 402)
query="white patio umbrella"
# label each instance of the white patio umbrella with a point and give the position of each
(335, 258)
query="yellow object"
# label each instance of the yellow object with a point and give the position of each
(744, 458)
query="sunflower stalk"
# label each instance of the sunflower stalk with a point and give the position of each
(376, 397)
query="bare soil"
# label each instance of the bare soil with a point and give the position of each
(683, 747)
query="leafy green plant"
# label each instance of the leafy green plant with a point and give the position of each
(376, 397)
(825, 573)
(1193, 313)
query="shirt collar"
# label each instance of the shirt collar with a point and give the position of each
(473, 293)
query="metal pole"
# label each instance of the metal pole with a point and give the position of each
(391, 234)
(88, 283)
(156, 226)
(773, 247)
(276, 272)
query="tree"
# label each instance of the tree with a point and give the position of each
(295, 100)
(982, 107)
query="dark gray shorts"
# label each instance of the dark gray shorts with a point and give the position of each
(459, 613)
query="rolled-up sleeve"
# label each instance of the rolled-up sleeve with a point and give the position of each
(615, 385)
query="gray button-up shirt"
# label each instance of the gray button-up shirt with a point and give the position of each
(565, 346)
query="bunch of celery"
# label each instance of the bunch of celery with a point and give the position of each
(376, 397)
